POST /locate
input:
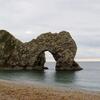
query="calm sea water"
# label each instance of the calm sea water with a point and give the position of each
(88, 78)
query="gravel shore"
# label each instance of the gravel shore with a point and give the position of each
(16, 91)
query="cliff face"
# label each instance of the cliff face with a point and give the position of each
(8, 44)
(17, 55)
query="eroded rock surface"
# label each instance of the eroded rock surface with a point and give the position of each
(17, 55)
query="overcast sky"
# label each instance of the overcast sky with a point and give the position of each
(26, 19)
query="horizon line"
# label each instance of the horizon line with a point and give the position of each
(82, 60)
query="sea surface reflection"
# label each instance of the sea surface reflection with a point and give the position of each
(88, 78)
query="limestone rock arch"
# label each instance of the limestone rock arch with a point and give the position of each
(61, 46)
(30, 55)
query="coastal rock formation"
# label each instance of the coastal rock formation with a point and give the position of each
(30, 55)
(8, 44)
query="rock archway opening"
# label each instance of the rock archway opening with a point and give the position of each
(50, 61)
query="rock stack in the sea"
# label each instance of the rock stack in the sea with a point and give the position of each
(17, 55)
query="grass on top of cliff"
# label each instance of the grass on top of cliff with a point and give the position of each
(12, 91)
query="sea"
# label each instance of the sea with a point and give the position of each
(87, 79)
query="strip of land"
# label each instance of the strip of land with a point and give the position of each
(19, 91)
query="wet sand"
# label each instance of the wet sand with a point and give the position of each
(20, 91)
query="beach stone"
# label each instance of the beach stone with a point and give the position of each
(31, 55)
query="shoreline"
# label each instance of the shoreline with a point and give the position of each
(10, 90)
(46, 85)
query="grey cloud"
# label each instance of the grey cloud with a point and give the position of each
(80, 17)
(89, 40)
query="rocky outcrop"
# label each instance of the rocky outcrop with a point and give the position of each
(17, 55)
(8, 44)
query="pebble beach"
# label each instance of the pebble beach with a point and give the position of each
(18, 91)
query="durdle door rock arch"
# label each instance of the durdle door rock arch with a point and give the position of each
(30, 55)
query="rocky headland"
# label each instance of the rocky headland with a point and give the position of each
(30, 55)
